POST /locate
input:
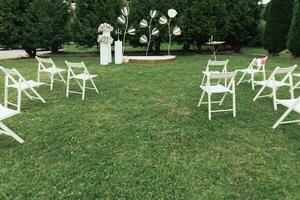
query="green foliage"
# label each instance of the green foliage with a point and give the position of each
(293, 43)
(278, 21)
(242, 19)
(34, 24)
(200, 20)
(89, 14)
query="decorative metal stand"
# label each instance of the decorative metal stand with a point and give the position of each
(214, 46)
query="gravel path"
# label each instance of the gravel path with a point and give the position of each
(11, 54)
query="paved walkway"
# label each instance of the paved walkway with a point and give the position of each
(11, 54)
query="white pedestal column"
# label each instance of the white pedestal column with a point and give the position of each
(118, 52)
(104, 53)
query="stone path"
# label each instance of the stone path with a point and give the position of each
(12, 54)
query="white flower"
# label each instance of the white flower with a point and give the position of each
(105, 28)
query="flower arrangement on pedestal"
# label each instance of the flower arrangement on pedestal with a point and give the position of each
(151, 32)
(176, 30)
(105, 40)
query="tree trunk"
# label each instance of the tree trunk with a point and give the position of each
(54, 49)
(31, 52)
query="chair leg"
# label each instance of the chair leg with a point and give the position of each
(282, 118)
(275, 98)
(242, 78)
(292, 92)
(10, 133)
(52, 80)
(252, 81)
(68, 87)
(94, 86)
(234, 104)
(259, 93)
(201, 99)
(83, 89)
(223, 99)
(62, 78)
(209, 106)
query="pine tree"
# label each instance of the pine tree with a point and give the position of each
(293, 43)
(278, 21)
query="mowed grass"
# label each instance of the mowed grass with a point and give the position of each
(143, 137)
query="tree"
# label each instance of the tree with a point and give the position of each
(279, 16)
(89, 14)
(241, 22)
(294, 33)
(200, 20)
(32, 24)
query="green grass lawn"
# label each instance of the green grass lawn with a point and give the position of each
(143, 137)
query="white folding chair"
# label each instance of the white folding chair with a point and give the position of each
(292, 105)
(297, 86)
(211, 88)
(256, 66)
(215, 66)
(18, 82)
(10, 109)
(83, 76)
(51, 71)
(272, 83)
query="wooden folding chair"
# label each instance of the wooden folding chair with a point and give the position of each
(83, 76)
(216, 67)
(272, 83)
(255, 67)
(50, 71)
(211, 88)
(292, 105)
(10, 109)
(18, 82)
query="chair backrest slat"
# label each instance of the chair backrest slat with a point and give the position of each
(44, 60)
(76, 65)
(217, 64)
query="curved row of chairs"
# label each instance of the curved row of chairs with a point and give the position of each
(14, 80)
(221, 81)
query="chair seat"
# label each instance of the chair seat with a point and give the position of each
(6, 112)
(289, 103)
(26, 85)
(53, 70)
(249, 71)
(215, 88)
(270, 83)
(84, 76)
